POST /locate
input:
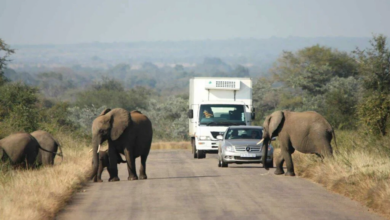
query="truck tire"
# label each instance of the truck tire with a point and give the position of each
(201, 154)
(194, 152)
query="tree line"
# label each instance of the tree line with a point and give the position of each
(351, 90)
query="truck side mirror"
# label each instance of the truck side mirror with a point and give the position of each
(190, 113)
(219, 137)
(253, 114)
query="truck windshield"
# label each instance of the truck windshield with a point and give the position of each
(214, 115)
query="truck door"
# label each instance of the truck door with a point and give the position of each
(195, 117)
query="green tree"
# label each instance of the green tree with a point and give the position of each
(5, 52)
(374, 69)
(112, 94)
(18, 106)
(311, 68)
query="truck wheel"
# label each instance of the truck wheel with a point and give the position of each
(201, 154)
(194, 149)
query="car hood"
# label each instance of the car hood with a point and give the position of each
(242, 142)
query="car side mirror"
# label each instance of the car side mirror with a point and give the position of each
(190, 113)
(219, 137)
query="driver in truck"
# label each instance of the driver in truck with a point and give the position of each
(207, 112)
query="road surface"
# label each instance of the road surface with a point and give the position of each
(180, 187)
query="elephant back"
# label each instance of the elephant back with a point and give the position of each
(47, 142)
(140, 120)
(20, 146)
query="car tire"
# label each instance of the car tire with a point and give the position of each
(270, 164)
(222, 164)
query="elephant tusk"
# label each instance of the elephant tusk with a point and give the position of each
(98, 149)
(261, 141)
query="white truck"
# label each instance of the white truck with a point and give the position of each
(214, 104)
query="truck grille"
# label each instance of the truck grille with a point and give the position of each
(225, 84)
(252, 148)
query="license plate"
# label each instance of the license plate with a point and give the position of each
(248, 155)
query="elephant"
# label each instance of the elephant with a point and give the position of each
(49, 147)
(128, 133)
(21, 149)
(306, 132)
(104, 161)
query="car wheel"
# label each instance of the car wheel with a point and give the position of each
(223, 164)
(270, 164)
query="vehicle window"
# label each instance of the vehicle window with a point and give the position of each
(222, 115)
(244, 133)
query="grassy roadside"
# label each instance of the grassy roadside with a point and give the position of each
(39, 194)
(360, 170)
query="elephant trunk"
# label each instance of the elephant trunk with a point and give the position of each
(265, 152)
(95, 156)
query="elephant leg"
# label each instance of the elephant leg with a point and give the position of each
(113, 166)
(279, 165)
(289, 162)
(142, 170)
(130, 165)
(99, 173)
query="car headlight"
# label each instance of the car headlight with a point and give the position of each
(230, 148)
(204, 138)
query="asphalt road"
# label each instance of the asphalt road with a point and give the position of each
(180, 187)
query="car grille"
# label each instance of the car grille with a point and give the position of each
(252, 148)
(246, 158)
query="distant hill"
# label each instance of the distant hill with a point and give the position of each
(233, 52)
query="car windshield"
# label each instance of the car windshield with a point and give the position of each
(244, 133)
(214, 115)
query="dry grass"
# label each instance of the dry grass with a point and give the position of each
(360, 170)
(39, 194)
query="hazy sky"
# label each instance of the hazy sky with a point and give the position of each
(77, 21)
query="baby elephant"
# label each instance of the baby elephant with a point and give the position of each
(104, 162)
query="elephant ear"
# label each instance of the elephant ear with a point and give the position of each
(274, 122)
(120, 120)
(105, 111)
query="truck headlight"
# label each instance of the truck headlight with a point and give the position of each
(204, 138)
(230, 148)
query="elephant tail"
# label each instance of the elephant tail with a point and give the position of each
(52, 152)
(334, 137)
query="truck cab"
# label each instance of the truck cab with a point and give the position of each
(216, 103)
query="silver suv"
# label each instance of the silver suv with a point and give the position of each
(239, 145)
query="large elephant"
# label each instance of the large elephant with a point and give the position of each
(128, 133)
(21, 149)
(307, 132)
(49, 147)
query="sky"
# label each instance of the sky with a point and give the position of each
(83, 21)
